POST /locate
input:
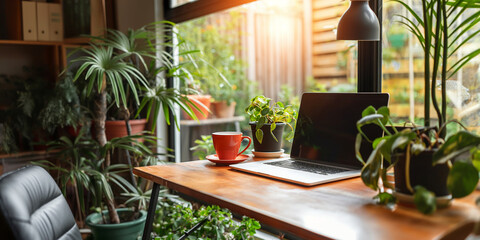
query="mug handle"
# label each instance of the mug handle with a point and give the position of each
(249, 142)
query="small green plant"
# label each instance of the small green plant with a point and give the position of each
(263, 111)
(463, 176)
(203, 147)
(174, 218)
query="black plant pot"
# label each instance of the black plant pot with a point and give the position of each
(422, 172)
(268, 143)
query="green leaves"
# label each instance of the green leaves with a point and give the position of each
(457, 144)
(263, 112)
(259, 135)
(462, 179)
(424, 200)
(385, 198)
(101, 64)
(371, 170)
(174, 217)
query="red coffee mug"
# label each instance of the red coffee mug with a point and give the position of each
(227, 144)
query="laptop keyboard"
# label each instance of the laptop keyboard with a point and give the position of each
(308, 167)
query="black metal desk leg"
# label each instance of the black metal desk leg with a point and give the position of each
(151, 211)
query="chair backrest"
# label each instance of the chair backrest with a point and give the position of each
(33, 207)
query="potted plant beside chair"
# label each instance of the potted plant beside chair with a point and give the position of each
(267, 121)
(124, 68)
(83, 168)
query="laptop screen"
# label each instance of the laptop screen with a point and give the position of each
(326, 126)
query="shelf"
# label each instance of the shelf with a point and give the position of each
(22, 42)
(66, 42)
(42, 153)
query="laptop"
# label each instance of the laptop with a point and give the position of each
(323, 148)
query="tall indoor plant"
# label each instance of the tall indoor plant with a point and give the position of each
(128, 69)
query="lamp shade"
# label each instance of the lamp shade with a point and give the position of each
(359, 22)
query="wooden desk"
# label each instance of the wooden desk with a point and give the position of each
(339, 210)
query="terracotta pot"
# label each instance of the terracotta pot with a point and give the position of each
(204, 110)
(221, 109)
(115, 129)
(268, 143)
(422, 172)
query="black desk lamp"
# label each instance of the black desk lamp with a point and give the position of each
(359, 22)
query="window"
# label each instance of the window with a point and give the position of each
(403, 61)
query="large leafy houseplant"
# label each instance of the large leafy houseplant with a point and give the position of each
(126, 71)
(462, 177)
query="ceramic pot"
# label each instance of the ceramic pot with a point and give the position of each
(422, 172)
(122, 231)
(268, 143)
(118, 128)
(204, 110)
(221, 109)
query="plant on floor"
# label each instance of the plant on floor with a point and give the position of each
(263, 111)
(83, 167)
(203, 147)
(126, 71)
(174, 218)
(462, 177)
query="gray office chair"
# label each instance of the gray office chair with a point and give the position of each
(33, 207)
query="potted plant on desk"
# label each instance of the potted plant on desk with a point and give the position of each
(268, 120)
(425, 150)
(425, 168)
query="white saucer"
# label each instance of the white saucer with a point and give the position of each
(268, 154)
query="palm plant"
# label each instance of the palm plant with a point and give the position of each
(442, 32)
(126, 68)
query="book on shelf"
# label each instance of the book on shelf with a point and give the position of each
(55, 22)
(42, 21)
(29, 20)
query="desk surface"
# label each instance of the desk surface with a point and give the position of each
(339, 210)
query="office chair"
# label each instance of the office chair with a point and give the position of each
(33, 207)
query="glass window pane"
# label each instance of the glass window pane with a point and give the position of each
(403, 69)
(278, 48)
